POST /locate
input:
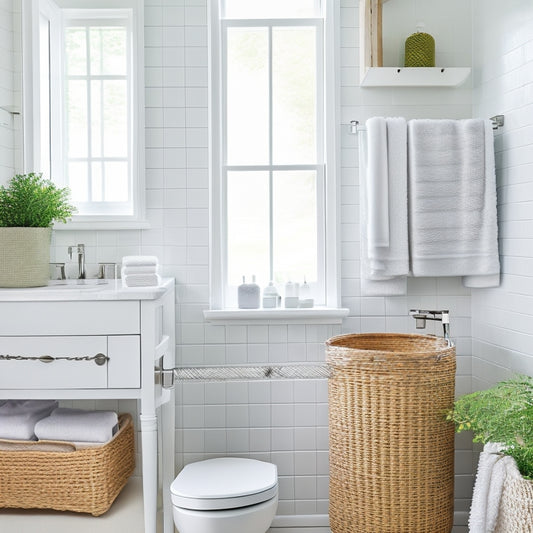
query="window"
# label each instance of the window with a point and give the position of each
(273, 166)
(83, 106)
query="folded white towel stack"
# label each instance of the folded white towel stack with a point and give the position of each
(140, 271)
(19, 417)
(77, 425)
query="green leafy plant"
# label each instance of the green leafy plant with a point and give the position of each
(501, 414)
(29, 200)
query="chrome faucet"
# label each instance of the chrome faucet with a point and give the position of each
(80, 250)
(421, 315)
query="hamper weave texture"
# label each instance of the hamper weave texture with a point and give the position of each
(391, 449)
(85, 480)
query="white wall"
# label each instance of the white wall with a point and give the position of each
(502, 318)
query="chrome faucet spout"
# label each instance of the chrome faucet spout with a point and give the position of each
(80, 250)
(421, 315)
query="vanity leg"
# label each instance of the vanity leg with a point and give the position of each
(149, 471)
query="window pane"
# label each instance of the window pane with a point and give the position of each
(77, 118)
(248, 226)
(76, 51)
(78, 181)
(295, 226)
(108, 50)
(247, 96)
(270, 8)
(97, 113)
(96, 182)
(115, 118)
(294, 95)
(116, 181)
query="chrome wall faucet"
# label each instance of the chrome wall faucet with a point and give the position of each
(80, 250)
(421, 315)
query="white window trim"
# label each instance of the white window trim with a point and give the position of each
(30, 110)
(331, 95)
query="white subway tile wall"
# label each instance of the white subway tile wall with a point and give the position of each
(502, 318)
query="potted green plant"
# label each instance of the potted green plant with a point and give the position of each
(29, 205)
(503, 414)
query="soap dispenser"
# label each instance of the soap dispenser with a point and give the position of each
(270, 296)
(248, 294)
(305, 295)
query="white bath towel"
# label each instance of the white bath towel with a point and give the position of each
(139, 260)
(377, 185)
(141, 280)
(19, 417)
(126, 271)
(384, 248)
(77, 425)
(491, 473)
(452, 199)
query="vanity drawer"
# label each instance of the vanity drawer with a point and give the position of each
(68, 318)
(121, 370)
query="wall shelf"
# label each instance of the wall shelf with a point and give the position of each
(414, 76)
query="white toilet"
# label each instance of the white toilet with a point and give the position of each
(225, 495)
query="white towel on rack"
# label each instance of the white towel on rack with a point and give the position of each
(377, 187)
(452, 199)
(384, 267)
(77, 425)
(19, 417)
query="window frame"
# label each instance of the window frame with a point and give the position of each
(31, 105)
(331, 164)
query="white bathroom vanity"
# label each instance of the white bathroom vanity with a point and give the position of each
(92, 339)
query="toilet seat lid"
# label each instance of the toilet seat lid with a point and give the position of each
(224, 483)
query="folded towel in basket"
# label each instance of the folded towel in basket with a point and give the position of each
(77, 425)
(18, 417)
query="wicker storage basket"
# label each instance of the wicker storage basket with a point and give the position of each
(516, 505)
(391, 449)
(85, 480)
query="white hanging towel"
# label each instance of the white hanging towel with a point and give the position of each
(452, 200)
(384, 235)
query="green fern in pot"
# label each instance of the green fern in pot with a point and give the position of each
(29, 200)
(29, 205)
(501, 414)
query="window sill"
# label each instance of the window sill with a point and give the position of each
(102, 225)
(280, 315)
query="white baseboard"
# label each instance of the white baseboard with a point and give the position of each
(314, 523)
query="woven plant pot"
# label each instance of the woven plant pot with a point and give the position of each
(391, 449)
(24, 257)
(516, 505)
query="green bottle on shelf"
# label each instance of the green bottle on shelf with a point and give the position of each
(420, 49)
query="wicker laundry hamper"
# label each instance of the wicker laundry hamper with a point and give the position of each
(391, 449)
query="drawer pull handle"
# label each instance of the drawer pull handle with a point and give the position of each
(100, 358)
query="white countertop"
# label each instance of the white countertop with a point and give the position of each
(90, 289)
